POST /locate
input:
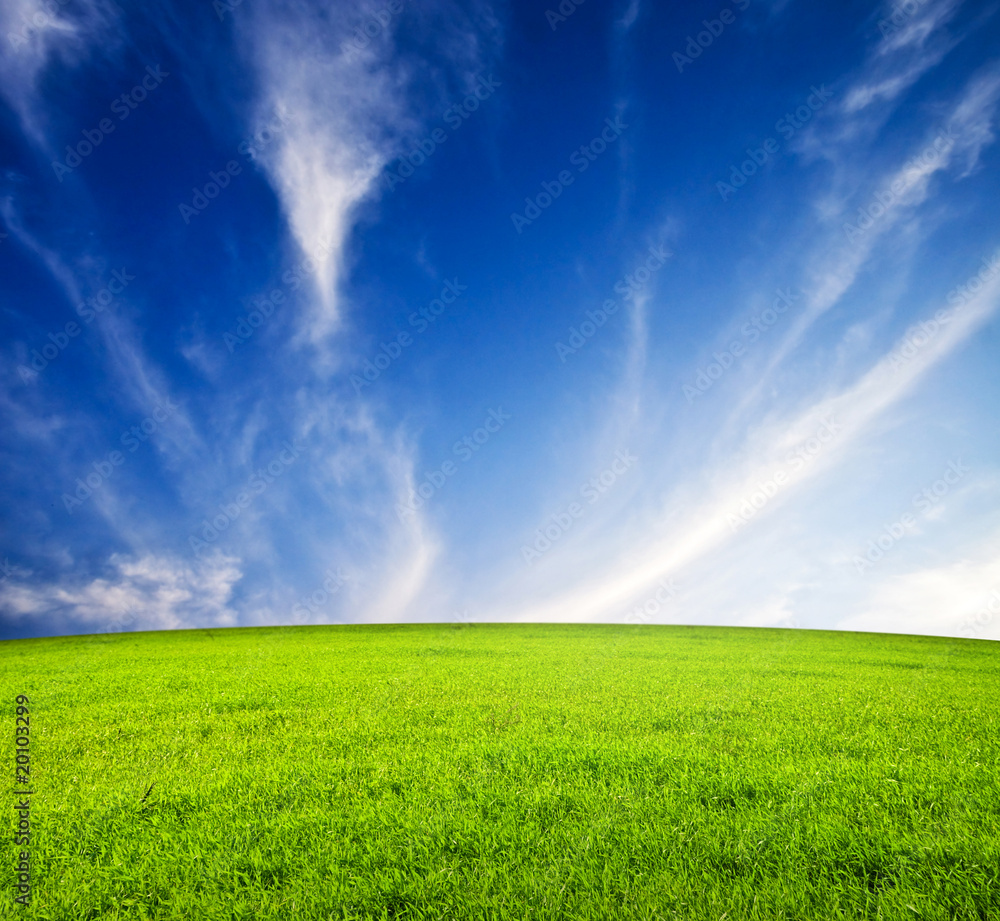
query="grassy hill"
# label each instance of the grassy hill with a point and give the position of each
(508, 771)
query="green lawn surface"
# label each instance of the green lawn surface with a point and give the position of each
(511, 771)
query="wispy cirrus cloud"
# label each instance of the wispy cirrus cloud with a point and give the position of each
(349, 110)
(852, 233)
(346, 111)
(35, 34)
(739, 496)
(693, 530)
(913, 41)
(699, 522)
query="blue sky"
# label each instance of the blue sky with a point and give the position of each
(380, 312)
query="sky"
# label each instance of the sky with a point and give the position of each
(418, 310)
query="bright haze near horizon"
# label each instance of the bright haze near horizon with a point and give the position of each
(427, 311)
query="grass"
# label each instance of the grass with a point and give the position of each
(508, 772)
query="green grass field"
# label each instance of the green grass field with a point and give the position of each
(508, 772)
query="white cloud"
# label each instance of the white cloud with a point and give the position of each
(634, 558)
(959, 598)
(909, 25)
(136, 378)
(905, 53)
(973, 119)
(33, 33)
(629, 16)
(346, 112)
(836, 262)
(141, 593)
